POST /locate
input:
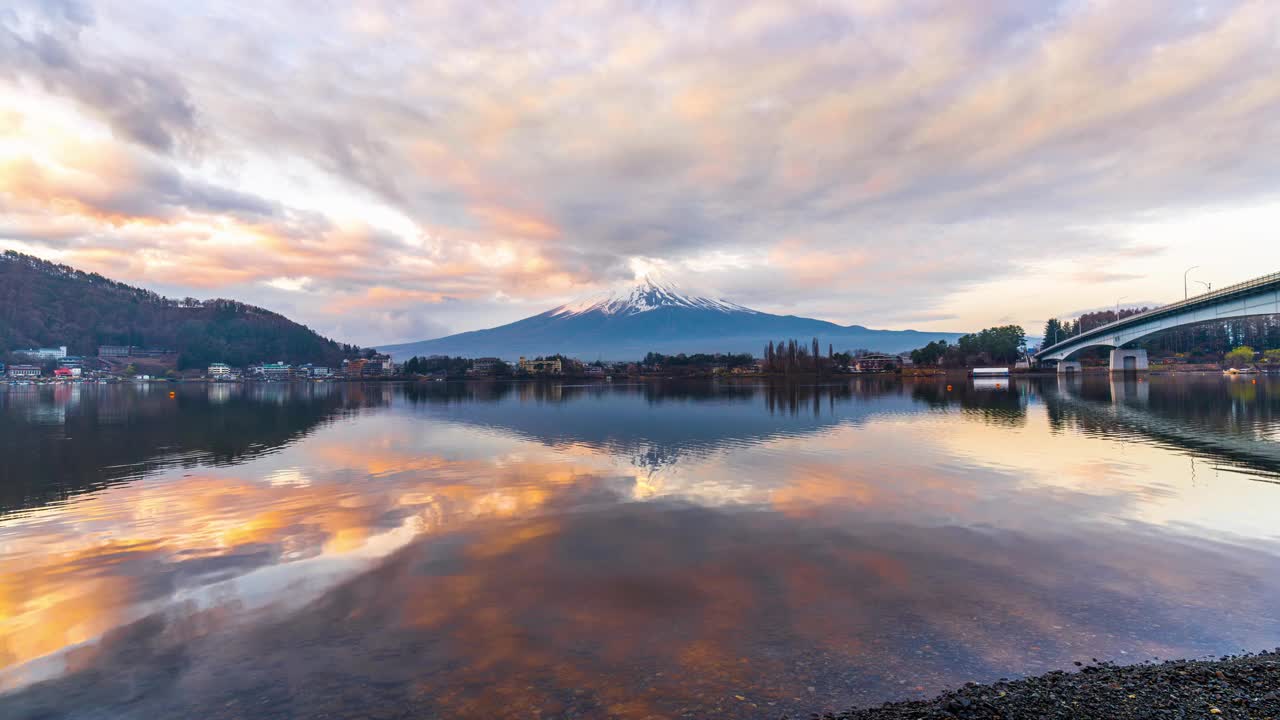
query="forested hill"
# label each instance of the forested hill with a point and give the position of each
(46, 304)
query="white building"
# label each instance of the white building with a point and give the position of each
(313, 371)
(24, 371)
(219, 370)
(276, 371)
(49, 353)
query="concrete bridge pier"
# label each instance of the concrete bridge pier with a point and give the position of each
(1069, 385)
(1130, 390)
(1069, 366)
(1128, 360)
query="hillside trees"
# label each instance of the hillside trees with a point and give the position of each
(47, 304)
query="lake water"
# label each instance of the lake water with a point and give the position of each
(614, 550)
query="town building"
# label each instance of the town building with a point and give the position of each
(313, 371)
(371, 368)
(484, 366)
(354, 368)
(873, 362)
(20, 372)
(274, 371)
(120, 351)
(48, 353)
(219, 370)
(65, 373)
(379, 366)
(541, 367)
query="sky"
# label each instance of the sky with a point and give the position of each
(397, 171)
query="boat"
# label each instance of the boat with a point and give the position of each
(1241, 371)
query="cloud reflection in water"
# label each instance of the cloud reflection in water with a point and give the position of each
(505, 555)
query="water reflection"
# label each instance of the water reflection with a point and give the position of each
(1220, 420)
(657, 424)
(656, 550)
(56, 441)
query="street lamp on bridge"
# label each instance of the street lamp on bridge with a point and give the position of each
(1185, 295)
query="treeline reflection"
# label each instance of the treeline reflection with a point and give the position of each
(1228, 421)
(781, 397)
(62, 440)
(58, 441)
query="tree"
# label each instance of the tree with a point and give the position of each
(1272, 356)
(1239, 357)
(930, 354)
(1053, 332)
(1003, 344)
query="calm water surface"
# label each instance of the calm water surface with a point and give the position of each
(659, 550)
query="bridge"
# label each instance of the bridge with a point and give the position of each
(1260, 296)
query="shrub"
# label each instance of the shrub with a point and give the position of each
(1240, 357)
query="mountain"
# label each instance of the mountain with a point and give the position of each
(43, 304)
(656, 316)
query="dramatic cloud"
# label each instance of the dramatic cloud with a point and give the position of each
(387, 169)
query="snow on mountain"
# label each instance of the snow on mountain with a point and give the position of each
(648, 294)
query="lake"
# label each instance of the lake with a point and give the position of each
(620, 550)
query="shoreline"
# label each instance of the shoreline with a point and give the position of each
(1232, 686)
(940, 375)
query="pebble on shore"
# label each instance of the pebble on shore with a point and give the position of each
(1243, 686)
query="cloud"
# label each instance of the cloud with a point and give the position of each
(1099, 276)
(848, 159)
(141, 102)
(116, 184)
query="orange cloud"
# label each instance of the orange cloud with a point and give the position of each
(809, 263)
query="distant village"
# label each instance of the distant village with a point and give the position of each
(121, 363)
(127, 363)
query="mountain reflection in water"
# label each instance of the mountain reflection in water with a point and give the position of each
(697, 549)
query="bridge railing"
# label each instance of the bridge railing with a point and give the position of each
(1242, 288)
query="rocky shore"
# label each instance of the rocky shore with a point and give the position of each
(1245, 686)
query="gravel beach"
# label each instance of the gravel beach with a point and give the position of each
(1245, 686)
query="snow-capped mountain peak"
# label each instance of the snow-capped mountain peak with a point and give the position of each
(655, 316)
(646, 295)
